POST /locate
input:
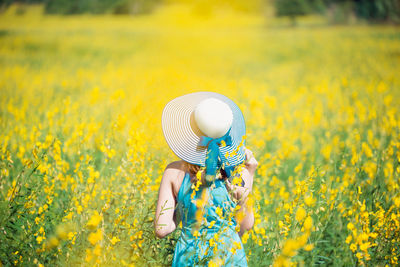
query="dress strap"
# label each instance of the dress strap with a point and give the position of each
(184, 185)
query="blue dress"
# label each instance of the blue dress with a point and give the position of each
(216, 239)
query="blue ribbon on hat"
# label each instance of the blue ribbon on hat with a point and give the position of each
(214, 157)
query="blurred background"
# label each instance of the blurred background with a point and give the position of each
(336, 11)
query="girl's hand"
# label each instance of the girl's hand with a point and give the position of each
(250, 161)
(247, 175)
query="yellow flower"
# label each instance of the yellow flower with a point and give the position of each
(239, 215)
(218, 210)
(114, 240)
(365, 246)
(39, 239)
(309, 247)
(97, 250)
(52, 242)
(211, 224)
(367, 150)
(373, 235)
(359, 255)
(196, 233)
(79, 209)
(237, 180)
(308, 223)
(212, 242)
(362, 237)
(281, 261)
(71, 235)
(309, 200)
(95, 237)
(397, 202)
(69, 216)
(302, 240)
(298, 168)
(300, 214)
(94, 220)
(215, 262)
(289, 248)
(350, 226)
(245, 237)
(237, 245)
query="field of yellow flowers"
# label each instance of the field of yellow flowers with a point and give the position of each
(82, 150)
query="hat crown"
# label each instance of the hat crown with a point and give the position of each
(213, 117)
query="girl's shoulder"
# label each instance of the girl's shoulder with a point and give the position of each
(178, 165)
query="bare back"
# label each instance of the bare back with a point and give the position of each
(177, 182)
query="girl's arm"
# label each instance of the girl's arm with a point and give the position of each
(164, 223)
(248, 221)
(241, 193)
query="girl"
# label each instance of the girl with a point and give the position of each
(207, 190)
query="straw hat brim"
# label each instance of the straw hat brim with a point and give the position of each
(183, 135)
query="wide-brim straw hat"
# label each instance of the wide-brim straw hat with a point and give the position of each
(183, 135)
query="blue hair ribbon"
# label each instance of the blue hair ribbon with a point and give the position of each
(214, 157)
